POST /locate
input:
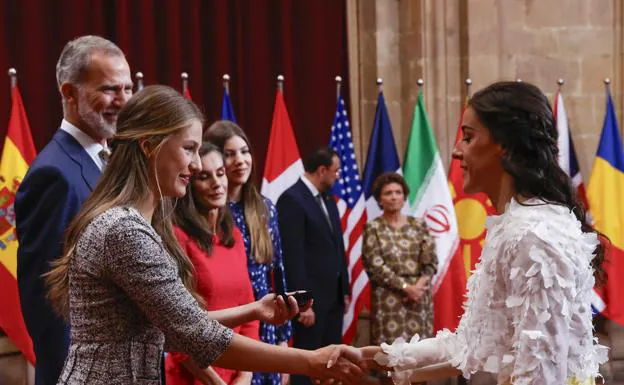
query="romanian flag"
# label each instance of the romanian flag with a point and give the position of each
(471, 211)
(18, 154)
(605, 194)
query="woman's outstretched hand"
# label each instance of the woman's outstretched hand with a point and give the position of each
(337, 364)
(363, 357)
(272, 309)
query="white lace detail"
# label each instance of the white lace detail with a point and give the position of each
(527, 314)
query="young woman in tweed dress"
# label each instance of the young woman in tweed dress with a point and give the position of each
(126, 287)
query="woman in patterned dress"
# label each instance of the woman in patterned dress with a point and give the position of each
(399, 256)
(527, 316)
(256, 217)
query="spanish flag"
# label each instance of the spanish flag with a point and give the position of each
(606, 200)
(17, 155)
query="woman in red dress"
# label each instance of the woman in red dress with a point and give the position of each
(206, 232)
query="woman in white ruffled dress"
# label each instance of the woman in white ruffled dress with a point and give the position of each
(527, 315)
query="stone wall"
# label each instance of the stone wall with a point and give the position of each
(446, 41)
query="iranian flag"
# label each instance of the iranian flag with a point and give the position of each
(430, 199)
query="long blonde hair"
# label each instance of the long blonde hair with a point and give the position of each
(254, 209)
(153, 115)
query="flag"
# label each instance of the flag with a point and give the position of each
(567, 154)
(352, 208)
(187, 93)
(430, 199)
(471, 211)
(17, 155)
(569, 164)
(227, 111)
(283, 165)
(604, 193)
(382, 155)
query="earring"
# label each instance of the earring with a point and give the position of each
(143, 146)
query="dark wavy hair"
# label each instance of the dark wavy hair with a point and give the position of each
(189, 214)
(519, 118)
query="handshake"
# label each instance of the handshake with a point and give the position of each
(418, 361)
(344, 364)
(347, 365)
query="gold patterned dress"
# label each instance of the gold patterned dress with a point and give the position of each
(393, 257)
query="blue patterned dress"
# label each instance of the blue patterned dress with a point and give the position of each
(260, 276)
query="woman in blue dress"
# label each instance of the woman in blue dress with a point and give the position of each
(256, 217)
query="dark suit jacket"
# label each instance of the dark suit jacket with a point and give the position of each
(51, 194)
(314, 255)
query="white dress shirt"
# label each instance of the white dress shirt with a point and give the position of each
(315, 193)
(92, 147)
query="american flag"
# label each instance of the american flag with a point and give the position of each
(352, 208)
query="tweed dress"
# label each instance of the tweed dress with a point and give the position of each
(126, 301)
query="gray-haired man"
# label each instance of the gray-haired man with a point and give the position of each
(94, 81)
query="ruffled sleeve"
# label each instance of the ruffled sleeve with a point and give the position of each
(543, 300)
(405, 357)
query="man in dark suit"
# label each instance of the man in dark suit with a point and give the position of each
(314, 254)
(94, 81)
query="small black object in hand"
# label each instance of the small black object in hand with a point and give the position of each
(302, 297)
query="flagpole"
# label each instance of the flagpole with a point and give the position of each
(607, 83)
(13, 76)
(226, 83)
(559, 84)
(184, 76)
(468, 83)
(379, 84)
(420, 83)
(139, 79)
(280, 84)
(338, 85)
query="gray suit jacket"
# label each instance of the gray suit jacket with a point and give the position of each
(126, 298)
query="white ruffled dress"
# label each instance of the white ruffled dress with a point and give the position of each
(527, 314)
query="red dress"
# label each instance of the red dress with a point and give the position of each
(223, 282)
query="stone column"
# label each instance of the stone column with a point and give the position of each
(402, 41)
